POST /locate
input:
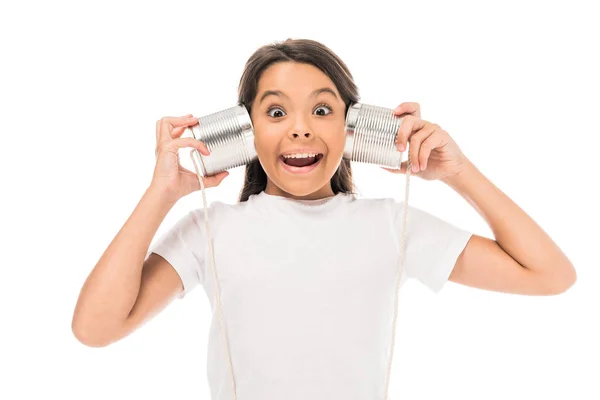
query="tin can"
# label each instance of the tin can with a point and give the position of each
(371, 135)
(229, 136)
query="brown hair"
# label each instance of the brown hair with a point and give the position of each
(302, 51)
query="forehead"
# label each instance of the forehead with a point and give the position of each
(293, 78)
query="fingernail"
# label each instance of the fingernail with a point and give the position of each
(414, 168)
(401, 147)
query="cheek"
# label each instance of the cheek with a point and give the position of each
(266, 139)
(336, 140)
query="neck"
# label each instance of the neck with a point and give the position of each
(323, 192)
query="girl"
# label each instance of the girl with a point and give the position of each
(306, 270)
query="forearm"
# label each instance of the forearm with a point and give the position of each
(111, 289)
(514, 230)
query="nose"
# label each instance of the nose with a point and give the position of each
(300, 128)
(295, 135)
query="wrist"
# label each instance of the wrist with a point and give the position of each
(466, 172)
(161, 194)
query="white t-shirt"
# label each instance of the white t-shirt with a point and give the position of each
(307, 289)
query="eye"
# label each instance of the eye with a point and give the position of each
(320, 106)
(323, 105)
(271, 109)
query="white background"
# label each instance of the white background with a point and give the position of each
(82, 84)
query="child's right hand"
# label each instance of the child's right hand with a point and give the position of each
(169, 176)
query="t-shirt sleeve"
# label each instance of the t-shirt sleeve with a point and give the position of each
(432, 245)
(184, 246)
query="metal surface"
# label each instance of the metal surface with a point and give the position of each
(371, 133)
(229, 136)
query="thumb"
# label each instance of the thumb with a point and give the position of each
(402, 170)
(210, 180)
(214, 180)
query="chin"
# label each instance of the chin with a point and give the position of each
(299, 187)
(300, 190)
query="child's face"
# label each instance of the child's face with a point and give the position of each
(298, 120)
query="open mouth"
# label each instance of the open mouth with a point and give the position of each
(300, 162)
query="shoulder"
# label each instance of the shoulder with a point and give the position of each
(214, 208)
(394, 209)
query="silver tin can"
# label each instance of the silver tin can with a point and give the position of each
(229, 136)
(371, 136)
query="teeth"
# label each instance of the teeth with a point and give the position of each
(299, 155)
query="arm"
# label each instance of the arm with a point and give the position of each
(523, 259)
(123, 289)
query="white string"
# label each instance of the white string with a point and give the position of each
(398, 276)
(212, 263)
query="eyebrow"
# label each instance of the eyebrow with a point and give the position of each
(313, 94)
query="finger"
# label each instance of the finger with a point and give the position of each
(407, 126)
(410, 108)
(403, 167)
(159, 122)
(165, 125)
(179, 143)
(209, 180)
(431, 142)
(416, 142)
(177, 132)
(214, 180)
(192, 142)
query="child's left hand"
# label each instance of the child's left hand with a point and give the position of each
(433, 153)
